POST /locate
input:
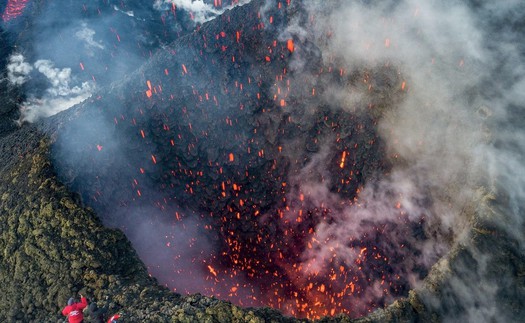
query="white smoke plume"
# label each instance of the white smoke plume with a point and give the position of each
(200, 10)
(18, 69)
(60, 96)
(435, 130)
(128, 13)
(87, 34)
(448, 137)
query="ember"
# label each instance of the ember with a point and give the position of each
(264, 167)
(290, 45)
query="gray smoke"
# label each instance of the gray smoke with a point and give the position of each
(59, 96)
(454, 135)
(88, 36)
(66, 55)
(434, 131)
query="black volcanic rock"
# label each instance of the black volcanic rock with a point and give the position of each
(53, 248)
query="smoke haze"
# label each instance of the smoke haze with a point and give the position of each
(434, 134)
(200, 10)
(461, 65)
(58, 97)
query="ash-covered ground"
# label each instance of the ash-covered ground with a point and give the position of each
(316, 158)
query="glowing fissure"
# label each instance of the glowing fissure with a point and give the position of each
(13, 9)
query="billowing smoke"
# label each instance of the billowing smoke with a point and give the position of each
(432, 136)
(93, 44)
(200, 10)
(60, 90)
(65, 56)
(60, 96)
(18, 69)
(461, 66)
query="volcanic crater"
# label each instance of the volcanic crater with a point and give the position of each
(220, 132)
(242, 162)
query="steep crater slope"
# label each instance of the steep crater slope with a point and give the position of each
(52, 249)
(235, 148)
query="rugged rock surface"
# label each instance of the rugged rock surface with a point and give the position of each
(218, 123)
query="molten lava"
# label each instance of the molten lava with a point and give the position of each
(13, 9)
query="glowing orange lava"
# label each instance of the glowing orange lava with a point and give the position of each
(14, 9)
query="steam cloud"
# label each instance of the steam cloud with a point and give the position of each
(58, 97)
(87, 35)
(454, 132)
(437, 50)
(86, 44)
(18, 69)
(201, 10)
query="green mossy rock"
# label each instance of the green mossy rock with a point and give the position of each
(53, 248)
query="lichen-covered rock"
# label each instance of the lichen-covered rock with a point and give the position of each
(53, 249)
